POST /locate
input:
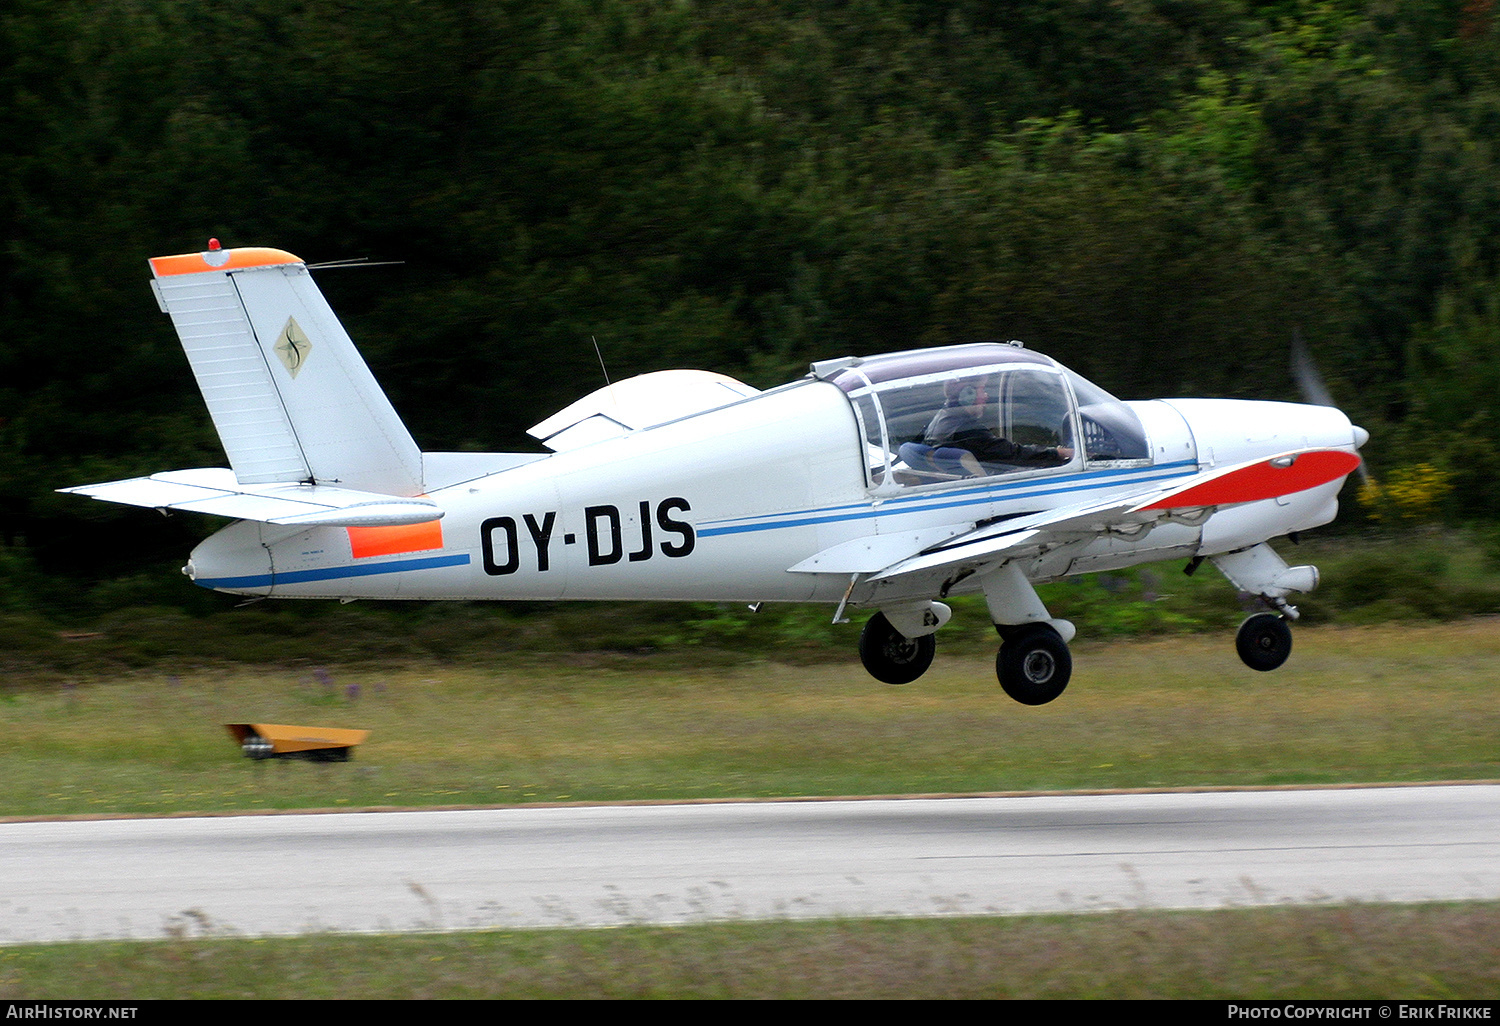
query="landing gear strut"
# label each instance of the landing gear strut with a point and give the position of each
(1264, 641)
(891, 656)
(1033, 664)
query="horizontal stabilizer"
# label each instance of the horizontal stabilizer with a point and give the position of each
(216, 491)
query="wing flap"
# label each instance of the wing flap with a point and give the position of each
(987, 550)
(876, 552)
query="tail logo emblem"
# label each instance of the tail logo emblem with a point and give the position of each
(292, 346)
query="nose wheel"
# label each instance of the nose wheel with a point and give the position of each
(1033, 664)
(1264, 641)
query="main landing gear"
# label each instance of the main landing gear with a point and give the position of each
(1033, 664)
(891, 656)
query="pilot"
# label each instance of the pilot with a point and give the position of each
(959, 425)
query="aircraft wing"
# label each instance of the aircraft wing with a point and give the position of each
(1192, 500)
(217, 491)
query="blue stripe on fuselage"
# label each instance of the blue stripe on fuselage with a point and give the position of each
(979, 496)
(334, 573)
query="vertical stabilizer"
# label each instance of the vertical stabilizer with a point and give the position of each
(289, 394)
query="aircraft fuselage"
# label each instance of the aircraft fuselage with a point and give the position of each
(720, 505)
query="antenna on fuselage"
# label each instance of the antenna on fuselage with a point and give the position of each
(608, 385)
(600, 355)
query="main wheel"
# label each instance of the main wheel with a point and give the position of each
(1034, 664)
(1264, 641)
(891, 656)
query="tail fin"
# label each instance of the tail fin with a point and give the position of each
(289, 394)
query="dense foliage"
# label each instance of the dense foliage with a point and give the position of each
(1160, 193)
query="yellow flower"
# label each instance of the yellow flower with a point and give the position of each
(1411, 494)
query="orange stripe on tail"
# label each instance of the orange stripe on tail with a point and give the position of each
(220, 260)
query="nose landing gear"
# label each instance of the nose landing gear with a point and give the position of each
(1264, 641)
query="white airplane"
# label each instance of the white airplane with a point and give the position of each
(885, 483)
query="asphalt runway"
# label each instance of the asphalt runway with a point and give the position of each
(550, 867)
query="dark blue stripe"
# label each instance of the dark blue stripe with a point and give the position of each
(1101, 478)
(335, 573)
(980, 496)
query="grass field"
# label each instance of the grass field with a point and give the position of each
(1436, 951)
(1354, 705)
(1369, 704)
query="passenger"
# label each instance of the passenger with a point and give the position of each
(959, 425)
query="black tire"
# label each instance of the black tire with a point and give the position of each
(891, 656)
(1264, 642)
(1034, 665)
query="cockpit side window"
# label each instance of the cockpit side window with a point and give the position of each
(1036, 411)
(872, 429)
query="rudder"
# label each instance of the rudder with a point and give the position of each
(289, 394)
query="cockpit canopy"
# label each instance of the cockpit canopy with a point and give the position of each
(981, 410)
